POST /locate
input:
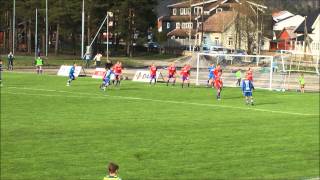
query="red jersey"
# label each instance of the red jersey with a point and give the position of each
(218, 83)
(249, 75)
(188, 67)
(171, 70)
(184, 72)
(153, 70)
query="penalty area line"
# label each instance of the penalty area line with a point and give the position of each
(98, 96)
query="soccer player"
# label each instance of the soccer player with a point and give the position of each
(153, 73)
(249, 74)
(10, 61)
(211, 69)
(218, 85)
(117, 69)
(217, 71)
(71, 74)
(247, 88)
(185, 73)
(172, 74)
(112, 172)
(39, 64)
(0, 72)
(238, 76)
(106, 78)
(301, 82)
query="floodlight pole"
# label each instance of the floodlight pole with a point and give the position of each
(46, 28)
(14, 26)
(82, 31)
(36, 36)
(107, 37)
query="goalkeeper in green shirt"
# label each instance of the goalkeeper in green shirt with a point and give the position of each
(39, 64)
(238, 76)
(301, 82)
(113, 172)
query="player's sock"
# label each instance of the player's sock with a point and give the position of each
(188, 84)
(182, 85)
(174, 82)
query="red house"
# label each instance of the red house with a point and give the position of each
(285, 40)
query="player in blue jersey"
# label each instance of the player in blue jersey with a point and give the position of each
(210, 81)
(71, 74)
(106, 79)
(247, 88)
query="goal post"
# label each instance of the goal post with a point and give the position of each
(263, 68)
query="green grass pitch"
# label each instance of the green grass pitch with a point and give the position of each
(53, 132)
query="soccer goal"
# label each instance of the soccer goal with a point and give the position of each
(263, 67)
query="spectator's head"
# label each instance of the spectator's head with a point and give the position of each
(113, 168)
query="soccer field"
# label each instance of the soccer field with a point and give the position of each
(50, 131)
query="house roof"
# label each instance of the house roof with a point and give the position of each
(311, 18)
(219, 21)
(293, 21)
(181, 32)
(281, 15)
(290, 31)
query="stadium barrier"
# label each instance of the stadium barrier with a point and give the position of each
(64, 70)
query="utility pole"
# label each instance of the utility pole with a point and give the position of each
(82, 31)
(46, 28)
(14, 27)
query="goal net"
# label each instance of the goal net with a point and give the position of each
(263, 68)
(278, 72)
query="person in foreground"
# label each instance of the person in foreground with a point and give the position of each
(247, 88)
(112, 172)
(71, 74)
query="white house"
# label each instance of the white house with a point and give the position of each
(293, 21)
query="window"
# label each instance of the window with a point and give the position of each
(187, 25)
(177, 25)
(216, 41)
(174, 11)
(185, 11)
(168, 25)
(198, 10)
(219, 10)
(230, 41)
(188, 11)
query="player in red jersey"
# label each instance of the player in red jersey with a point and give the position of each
(217, 71)
(249, 75)
(185, 73)
(172, 74)
(117, 69)
(153, 73)
(218, 85)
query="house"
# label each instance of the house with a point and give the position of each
(219, 30)
(291, 21)
(311, 27)
(185, 22)
(286, 39)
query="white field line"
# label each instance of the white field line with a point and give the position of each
(99, 96)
